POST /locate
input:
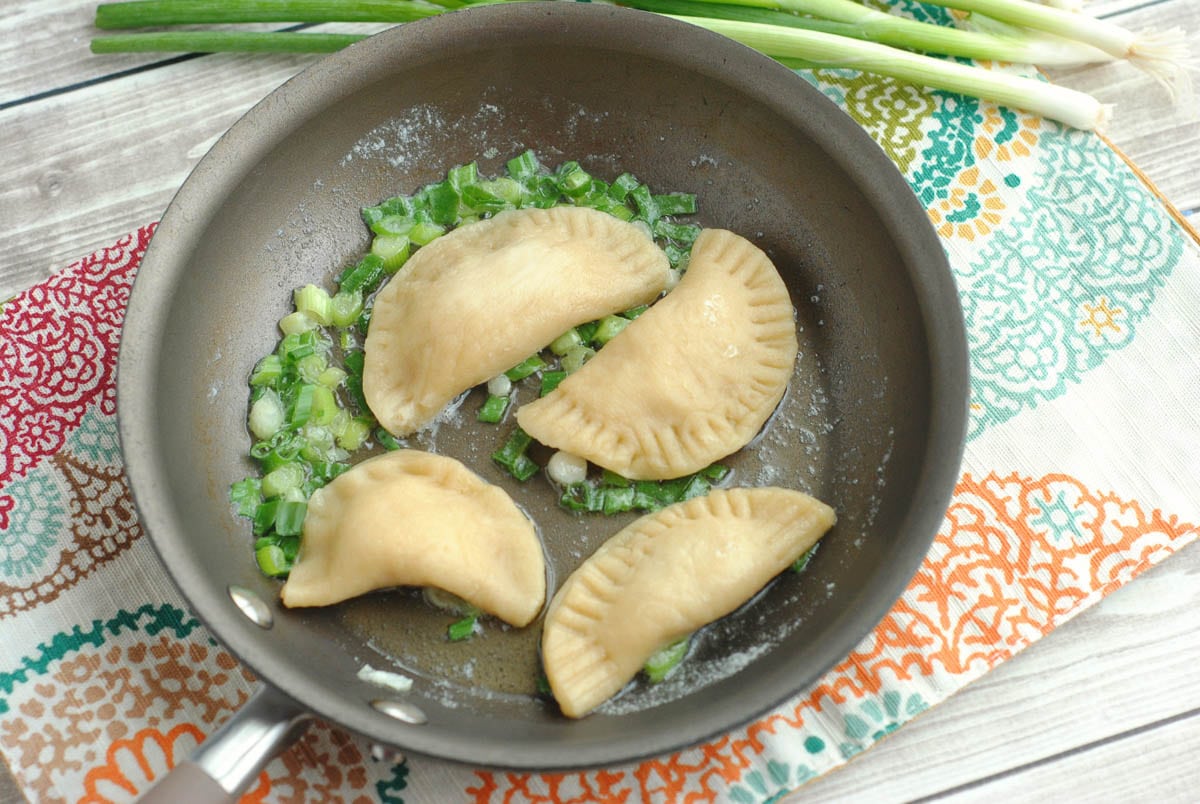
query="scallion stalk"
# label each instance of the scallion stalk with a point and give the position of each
(1068, 106)
(224, 42)
(147, 13)
(857, 21)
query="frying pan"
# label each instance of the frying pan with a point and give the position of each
(873, 422)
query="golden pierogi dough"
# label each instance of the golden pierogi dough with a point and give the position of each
(412, 518)
(481, 299)
(688, 382)
(664, 576)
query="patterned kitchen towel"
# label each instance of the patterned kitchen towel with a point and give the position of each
(1079, 288)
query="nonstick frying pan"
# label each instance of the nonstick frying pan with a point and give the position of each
(873, 422)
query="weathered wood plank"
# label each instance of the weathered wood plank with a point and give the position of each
(1129, 769)
(1129, 662)
(100, 161)
(44, 47)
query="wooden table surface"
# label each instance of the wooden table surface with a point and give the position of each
(1106, 708)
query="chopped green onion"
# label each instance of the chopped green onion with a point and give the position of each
(463, 175)
(392, 249)
(551, 380)
(324, 405)
(512, 457)
(511, 191)
(296, 346)
(462, 629)
(266, 415)
(296, 322)
(331, 377)
(387, 440)
(523, 167)
(526, 367)
(572, 179)
(354, 434)
(354, 361)
(610, 327)
(645, 202)
(364, 275)
(391, 224)
(278, 481)
(543, 685)
(302, 406)
(314, 302)
(574, 359)
(272, 561)
(566, 342)
(619, 189)
(675, 204)
(482, 200)
(425, 232)
(443, 204)
(611, 478)
(289, 518)
(264, 516)
(492, 410)
(617, 500)
(246, 495)
(716, 473)
(666, 659)
(582, 497)
(634, 312)
(801, 563)
(309, 367)
(267, 371)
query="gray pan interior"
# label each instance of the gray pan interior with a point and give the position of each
(873, 422)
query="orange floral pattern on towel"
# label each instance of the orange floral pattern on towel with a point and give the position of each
(1039, 548)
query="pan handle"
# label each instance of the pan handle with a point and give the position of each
(231, 758)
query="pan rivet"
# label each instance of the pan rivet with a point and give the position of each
(252, 606)
(401, 710)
